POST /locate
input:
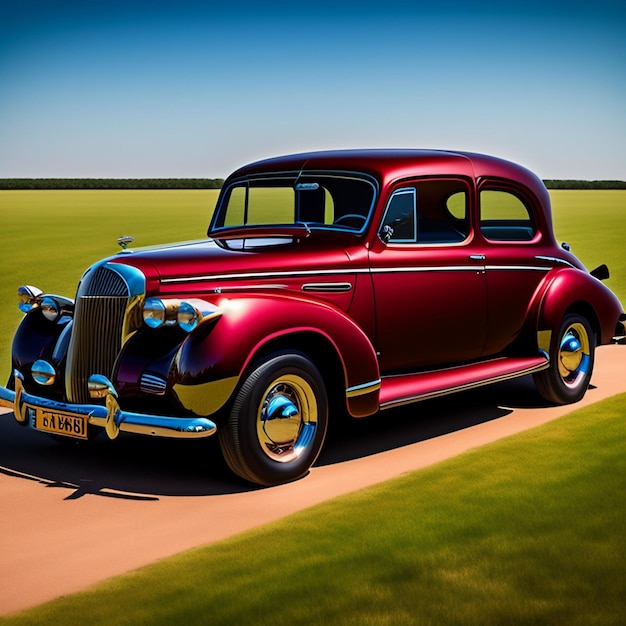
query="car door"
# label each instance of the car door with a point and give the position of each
(508, 224)
(428, 279)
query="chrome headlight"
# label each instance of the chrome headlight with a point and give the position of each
(187, 314)
(52, 307)
(157, 312)
(154, 312)
(27, 295)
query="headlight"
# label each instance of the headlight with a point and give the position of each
(187, 314)
(154, 312)
(27, 295)
(52, 307)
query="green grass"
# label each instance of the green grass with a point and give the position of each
(593, 222)
(528, 530)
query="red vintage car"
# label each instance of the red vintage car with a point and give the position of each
(331, 282)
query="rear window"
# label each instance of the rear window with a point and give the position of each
(505, 217)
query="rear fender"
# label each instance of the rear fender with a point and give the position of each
(572, 289)
(209, 365)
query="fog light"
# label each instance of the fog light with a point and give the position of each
(43, 373)
(50, 309)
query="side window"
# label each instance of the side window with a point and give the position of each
(504, 217)
(400, 218)
(429, 212)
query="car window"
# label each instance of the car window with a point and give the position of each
(427, 212)
(321, 201)
(504, 216)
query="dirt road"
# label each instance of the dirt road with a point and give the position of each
(73, 516)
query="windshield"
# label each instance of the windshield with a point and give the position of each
(339, 202)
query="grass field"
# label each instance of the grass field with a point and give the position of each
(594, 223)
(528, 530)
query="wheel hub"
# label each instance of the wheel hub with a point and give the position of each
(574, 354)
(287, 419)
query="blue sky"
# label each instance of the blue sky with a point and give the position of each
(194, 89)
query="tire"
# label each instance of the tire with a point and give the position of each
(571, 362)
(278, 421)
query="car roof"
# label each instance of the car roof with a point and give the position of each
(387, 165)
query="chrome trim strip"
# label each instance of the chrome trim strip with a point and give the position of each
(327, 287)
(554, 259)
(417, 270)
(234, 288)
(365, 388)
(509, 268)
(153, 384)
(292, 274)
(364, 270)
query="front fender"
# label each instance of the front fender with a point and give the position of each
(38, 338)
(209, 365)
(574, 289)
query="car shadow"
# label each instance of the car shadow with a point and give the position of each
(140, 468)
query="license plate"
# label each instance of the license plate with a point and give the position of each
(67, 424)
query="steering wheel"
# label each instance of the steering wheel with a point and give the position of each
(356, 219)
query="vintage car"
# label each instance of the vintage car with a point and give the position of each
(331, 283)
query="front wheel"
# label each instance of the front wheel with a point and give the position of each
(277, 423)
(571, 362)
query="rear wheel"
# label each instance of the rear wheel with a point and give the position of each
(278, 421)
(571, 362)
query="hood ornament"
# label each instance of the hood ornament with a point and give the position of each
(124, 241)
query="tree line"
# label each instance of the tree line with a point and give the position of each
(111, 183)
(216, 183)
(585, 184)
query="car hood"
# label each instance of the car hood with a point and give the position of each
(195, 262)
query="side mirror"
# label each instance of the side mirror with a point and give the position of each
(386, 233)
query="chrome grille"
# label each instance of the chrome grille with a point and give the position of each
(153, 384)
(105, 282)
(103, 303)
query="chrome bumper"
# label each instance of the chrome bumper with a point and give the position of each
(108, 416)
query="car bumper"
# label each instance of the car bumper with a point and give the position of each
(109, 416)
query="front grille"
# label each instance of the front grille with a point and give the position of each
(104, 282)
(103, 303)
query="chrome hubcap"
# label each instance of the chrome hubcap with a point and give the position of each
(574, 354)
(287, 419)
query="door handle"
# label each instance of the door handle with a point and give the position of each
(477, 257)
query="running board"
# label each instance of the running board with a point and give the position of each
(404, 389)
